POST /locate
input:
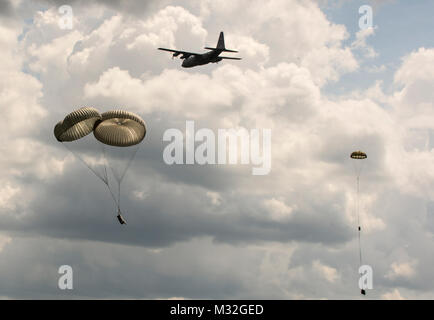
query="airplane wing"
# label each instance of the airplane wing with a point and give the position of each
(185, 54)
(231, 58)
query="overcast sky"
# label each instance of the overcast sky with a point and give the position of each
(309, 73)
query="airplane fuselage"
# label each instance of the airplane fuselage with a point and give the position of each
(192, 59)
(205, 58)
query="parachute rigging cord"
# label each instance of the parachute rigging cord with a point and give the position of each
(103, 177)
(118, 178)
(358, 219)
(357, 156)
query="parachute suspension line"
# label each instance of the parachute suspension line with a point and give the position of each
(106, 178)
(113, 196)
(103, 178)
(119, 197)
(120, 177)
(106, 163)
(130, 161)
(105, 167)
(358, 218)
(136, 148)
(358, 158)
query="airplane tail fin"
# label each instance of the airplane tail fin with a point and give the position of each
(221, 44)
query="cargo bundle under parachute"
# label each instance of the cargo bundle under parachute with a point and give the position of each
(118, 134)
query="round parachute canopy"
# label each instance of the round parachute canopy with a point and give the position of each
(77, 124)
(120, 128)
(359, 155)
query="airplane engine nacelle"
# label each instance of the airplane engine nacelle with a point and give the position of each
(184, 56)
(218, 59)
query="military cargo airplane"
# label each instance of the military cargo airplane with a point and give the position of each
(192, 59)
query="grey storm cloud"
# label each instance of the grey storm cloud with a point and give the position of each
(5, 7)
(131, 7)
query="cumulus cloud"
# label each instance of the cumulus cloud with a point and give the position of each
(392, 295)
(278, 209)
(232, 235)
(405, 269)
(360, 42)
(329, 273)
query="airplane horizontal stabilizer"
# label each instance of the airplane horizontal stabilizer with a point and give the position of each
(223, 50)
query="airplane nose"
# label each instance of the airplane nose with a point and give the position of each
(186, 64)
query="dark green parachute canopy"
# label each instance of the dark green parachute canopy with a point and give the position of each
(358, 155)
(120, 128)
(77, 124)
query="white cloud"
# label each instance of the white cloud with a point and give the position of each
(19, 92)
(414, 104)
(295, 31)
(376, 69)
(4, 240)
(251, 49)
(413, 112)
(329, 273)
(53, 55)
(148, 95)
(360, 43)
(402, 270)
(416, 67)
(7, 192)
(160, 29)
(278, 210)
(392, 295)
(215, 198)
